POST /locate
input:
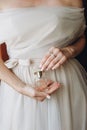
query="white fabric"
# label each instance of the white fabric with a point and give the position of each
(29, 33)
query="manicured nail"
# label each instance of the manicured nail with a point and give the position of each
(48, 97)
(40, 65)
(42, 69)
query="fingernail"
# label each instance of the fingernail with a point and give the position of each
(48, 97)
(40, 65)
(42, 69)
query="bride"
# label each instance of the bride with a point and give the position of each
(50, 33)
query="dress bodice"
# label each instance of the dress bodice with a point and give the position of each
(28, 29)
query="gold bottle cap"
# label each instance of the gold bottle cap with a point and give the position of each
(39, 74)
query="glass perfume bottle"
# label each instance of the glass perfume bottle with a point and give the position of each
(39, 77)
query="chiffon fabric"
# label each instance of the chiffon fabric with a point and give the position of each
(29, 33)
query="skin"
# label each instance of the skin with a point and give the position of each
(48, 61)
(61, 55)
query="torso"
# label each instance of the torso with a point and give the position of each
(26, 3)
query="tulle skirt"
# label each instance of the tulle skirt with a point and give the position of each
(66, 110)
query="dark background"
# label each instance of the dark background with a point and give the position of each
(82, 57)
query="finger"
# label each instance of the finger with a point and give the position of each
(42, 88)
(40, 98)
(47, 59)
(62, 61)
(51, 49)
(47, 63)
(44, 59)
(54, 50)
(42, 94)
(47, 56)
(47, 84)
(53, 88)
(55, 60)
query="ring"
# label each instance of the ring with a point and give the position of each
(52, 55)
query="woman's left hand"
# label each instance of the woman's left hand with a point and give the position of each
(54, 58)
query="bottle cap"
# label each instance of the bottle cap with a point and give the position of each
(38, 74)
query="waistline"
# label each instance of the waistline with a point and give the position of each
(12, 63)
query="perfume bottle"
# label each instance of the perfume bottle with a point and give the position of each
(39, 77)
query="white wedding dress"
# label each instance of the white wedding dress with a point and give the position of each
(29, 33)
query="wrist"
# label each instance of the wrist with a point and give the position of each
(76, 48)
(20, 87)
(27, 90)
(70, 51)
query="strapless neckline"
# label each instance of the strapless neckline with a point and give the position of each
(42, 7)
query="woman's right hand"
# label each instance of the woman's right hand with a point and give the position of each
(29, 91)
(37, 93)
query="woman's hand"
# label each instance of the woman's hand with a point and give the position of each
(42, 92)
(33, 92)
(55, 58)
(49, 89)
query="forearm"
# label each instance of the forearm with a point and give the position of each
(9, 77)
(76, 48)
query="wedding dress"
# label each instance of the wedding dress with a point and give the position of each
(29, 33)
